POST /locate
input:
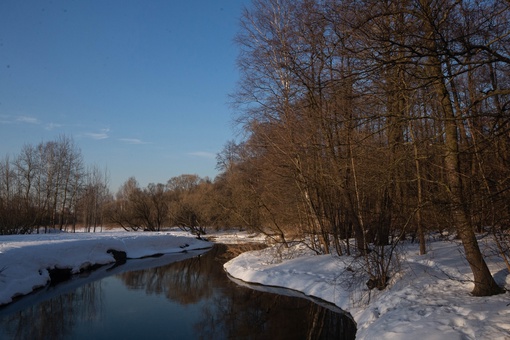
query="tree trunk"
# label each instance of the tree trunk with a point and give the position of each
(419, 221)
(485, 284)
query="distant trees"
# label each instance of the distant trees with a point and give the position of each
(136, 208)
(44, 186)
(47, 186)
(189, 203)
(186, 201)
(95, 195)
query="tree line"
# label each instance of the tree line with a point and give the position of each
(48, 186)
(375, 120)
(185, 201)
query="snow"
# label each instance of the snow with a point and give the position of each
(25, 259)
(428, 299)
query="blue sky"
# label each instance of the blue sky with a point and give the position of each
(141, 86)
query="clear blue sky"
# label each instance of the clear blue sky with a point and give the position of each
(141, 86)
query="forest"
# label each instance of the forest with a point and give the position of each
(370, 121)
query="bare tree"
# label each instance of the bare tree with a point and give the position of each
(378, 117)
(187, 196)
(93, 199)
(135, 208)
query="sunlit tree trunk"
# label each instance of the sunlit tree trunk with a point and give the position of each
(483, 280)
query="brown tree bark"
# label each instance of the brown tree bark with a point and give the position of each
(485, 284)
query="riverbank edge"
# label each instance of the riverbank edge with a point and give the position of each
(55, 270)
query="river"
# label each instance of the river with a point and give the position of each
(183, 296)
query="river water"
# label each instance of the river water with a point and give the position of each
(184, 296)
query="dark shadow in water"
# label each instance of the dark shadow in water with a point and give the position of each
(195, 291)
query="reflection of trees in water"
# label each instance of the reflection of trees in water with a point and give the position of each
(229, 311)
(184, 282)
(250, 314)
(187, 281)
(233, 311)
(237, 312)
(56, 317)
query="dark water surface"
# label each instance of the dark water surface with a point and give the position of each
(188, 299)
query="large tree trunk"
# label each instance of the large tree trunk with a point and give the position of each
(485, 284)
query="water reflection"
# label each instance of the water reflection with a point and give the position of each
(54, 318)
(185, 282)
(192, 298)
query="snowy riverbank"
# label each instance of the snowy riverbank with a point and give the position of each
(25, 259)
(429, 300)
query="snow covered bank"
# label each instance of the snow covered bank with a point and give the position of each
(25, 259)
(429, 299)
